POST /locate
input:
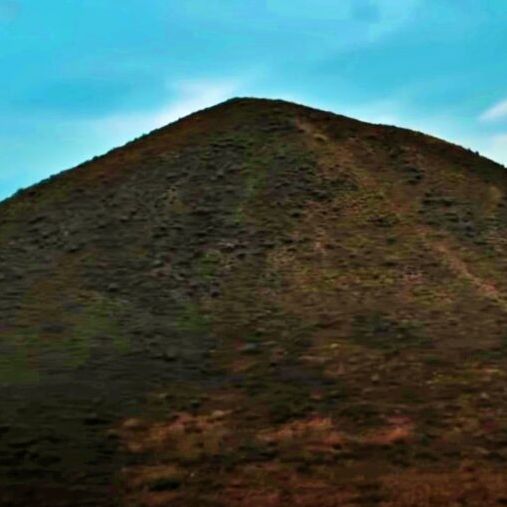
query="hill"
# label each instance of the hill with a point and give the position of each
(257, 305)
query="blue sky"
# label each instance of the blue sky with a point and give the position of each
(79, 77)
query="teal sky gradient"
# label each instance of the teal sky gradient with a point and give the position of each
(79, 77)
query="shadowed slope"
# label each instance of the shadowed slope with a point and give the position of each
(259, 304)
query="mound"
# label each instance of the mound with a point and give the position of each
(260, 304)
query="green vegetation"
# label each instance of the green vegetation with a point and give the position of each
(191, 319)
(209, 264)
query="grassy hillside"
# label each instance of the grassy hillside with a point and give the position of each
(259, 305)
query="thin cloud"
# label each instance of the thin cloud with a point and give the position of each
(496, 148)
(369, 11)
(314, 26)
(192, 95)
(496, 112)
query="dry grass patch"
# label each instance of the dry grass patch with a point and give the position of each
(314, 433)
(481, 488)
(184, 435)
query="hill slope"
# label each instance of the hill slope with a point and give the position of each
(259, 304)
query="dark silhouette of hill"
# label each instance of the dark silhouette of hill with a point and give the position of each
(261, 304)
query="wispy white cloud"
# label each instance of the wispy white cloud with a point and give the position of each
(365, 11)
(390, 15)
(495, 148)
(496, 112)
(313, 26)
(191, 96)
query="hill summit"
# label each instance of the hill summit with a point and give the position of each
(260, 304)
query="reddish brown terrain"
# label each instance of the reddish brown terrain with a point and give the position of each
(259, 305)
